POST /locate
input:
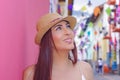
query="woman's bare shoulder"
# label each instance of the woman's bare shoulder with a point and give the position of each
(28, 72)
(84, 64)
(86, 69)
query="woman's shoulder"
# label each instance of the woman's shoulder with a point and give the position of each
(28, 72)
(84, 64)
(86, 69)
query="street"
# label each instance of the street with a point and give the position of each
(107, 77)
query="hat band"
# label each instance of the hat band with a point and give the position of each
(54, 20)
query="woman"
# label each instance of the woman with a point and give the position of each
(57, 57)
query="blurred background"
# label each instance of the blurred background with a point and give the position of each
(97, 34)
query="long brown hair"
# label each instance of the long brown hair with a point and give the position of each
(43, 68)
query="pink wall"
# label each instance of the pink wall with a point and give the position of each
(17, 30)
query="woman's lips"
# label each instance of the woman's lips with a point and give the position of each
(68, 40)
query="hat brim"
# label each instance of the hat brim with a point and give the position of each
(40, 34)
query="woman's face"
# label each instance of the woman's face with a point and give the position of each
(63, 36)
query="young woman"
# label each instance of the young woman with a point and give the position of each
(57, 57)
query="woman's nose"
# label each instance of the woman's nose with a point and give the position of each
(67, 31)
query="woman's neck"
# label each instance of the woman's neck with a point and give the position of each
(60, 60)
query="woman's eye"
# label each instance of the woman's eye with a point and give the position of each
(68, 26)
(58, 28)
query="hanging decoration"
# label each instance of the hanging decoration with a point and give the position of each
(96, 14)
(90, 24)
(108, 11)
(111, 2)
(82, 25)
(118, 14)
(97, 11)
(112, 20)
(89, 3)
(88, 33)
(118, 10)
(95, 32)
(82, 44)
(59, 9)
(111, 41)
(81, 34)
(70, 7)
(91, 20)
(104, 31)
(100, 31)
(115, 41)
(83, 8)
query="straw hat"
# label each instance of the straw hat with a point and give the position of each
(49, 20)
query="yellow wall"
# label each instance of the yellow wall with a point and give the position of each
(104, 48)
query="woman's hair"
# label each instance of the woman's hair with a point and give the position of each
(43, 68)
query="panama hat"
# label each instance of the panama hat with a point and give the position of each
(49, 20)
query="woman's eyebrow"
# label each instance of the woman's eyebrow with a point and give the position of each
(57, 25)
(60, 24)
(67, 23)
